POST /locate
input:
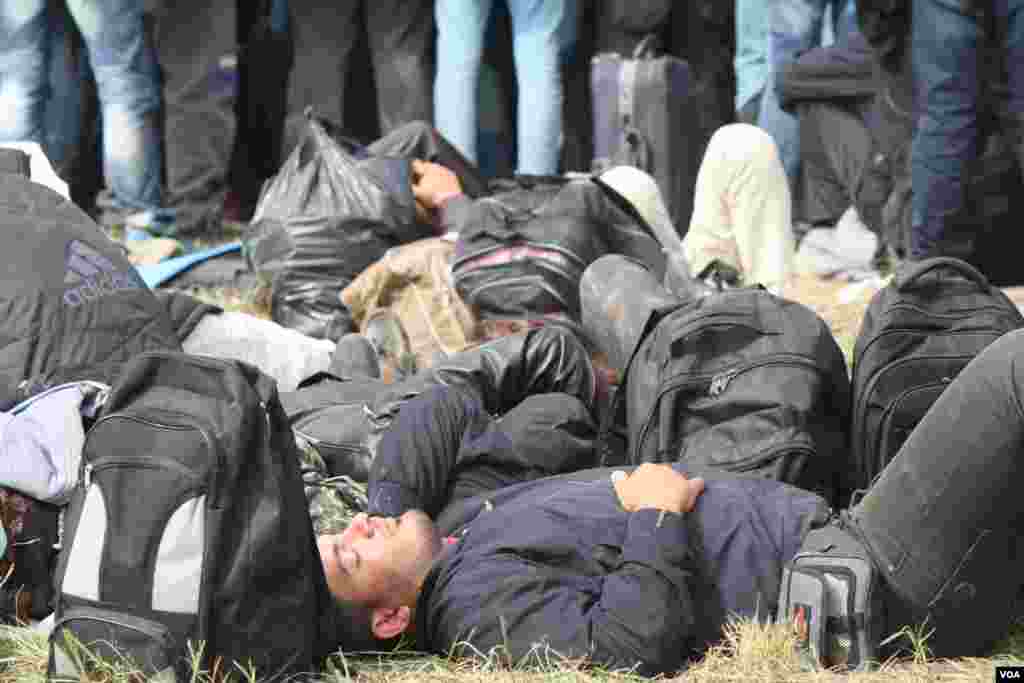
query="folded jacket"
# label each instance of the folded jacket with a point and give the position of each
(41, 440)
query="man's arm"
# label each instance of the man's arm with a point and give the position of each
(630, 609)
(443, 445)
(439, 195)
(638, 615)
(418, 452)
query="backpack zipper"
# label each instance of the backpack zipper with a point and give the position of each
(82, 614)
(717, 384)
(890, 409)
(860, 408)
(144, 462)
(211, 445)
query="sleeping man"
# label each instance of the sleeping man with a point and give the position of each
(641, 567)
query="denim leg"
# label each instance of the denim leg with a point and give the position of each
(64, 111)
(537, 40)
(460, 48)
(944, 517)
(1010, 13)
(128, 82)
(944, 46)
(796, 25)
(751, 61)
(23, 69)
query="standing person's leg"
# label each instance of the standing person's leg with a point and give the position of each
(1013, 20)
(742, 209)
(751, 61)
(192, 37)
(944, 518)
(23, 69)
(944, 44)
(128, 82)
(795, 26)
(460, 49)
(538, 34)
(402, 44)
(836, 148)
(323, 34)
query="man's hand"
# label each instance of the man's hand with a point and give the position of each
(432, 184)
(659, 487)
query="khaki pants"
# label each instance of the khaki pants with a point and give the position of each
(742, 208)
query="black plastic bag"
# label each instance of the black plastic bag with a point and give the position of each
(321, 221)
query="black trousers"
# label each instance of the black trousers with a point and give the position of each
(191, 37)
(400, 37)
(944, 519)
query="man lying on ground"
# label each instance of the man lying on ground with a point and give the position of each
(541, 383)
(642, 568)
(740, 230)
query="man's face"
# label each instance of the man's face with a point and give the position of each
(378, 559)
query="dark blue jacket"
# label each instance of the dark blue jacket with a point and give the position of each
(557, 561)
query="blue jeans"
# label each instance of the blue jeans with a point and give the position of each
(127, 78)
(945, 50)
(751, 62)
(797, 25)
(539, 29)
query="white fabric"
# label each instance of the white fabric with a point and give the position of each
(40, 167)
(742, 208)
(285, 355)
(642, 192)
(847, 250)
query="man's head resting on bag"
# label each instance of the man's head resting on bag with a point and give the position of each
(375, 569)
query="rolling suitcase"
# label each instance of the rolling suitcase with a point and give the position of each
(644, 116)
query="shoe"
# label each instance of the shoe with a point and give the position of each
(355, 358)
(385, 333)
(679, 282)
(720, 276)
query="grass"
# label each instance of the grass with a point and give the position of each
(749, 650)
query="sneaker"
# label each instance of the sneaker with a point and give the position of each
(355, 358)
(720, 276)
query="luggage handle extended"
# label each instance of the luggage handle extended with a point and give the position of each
(648, 47)
(906, 279)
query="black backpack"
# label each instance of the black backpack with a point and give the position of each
(189, 526)
(918, 333)
(743, 381)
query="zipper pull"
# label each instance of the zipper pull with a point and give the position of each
(87, 476)
(720, 382)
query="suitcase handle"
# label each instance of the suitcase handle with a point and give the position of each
(648, 47)
(906, 278)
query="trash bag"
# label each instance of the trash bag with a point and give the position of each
(323, 219)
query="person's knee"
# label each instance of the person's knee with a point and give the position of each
(742, 141)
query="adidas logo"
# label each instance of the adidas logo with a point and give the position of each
(91, 275)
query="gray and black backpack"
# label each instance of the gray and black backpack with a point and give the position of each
(189, 528)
